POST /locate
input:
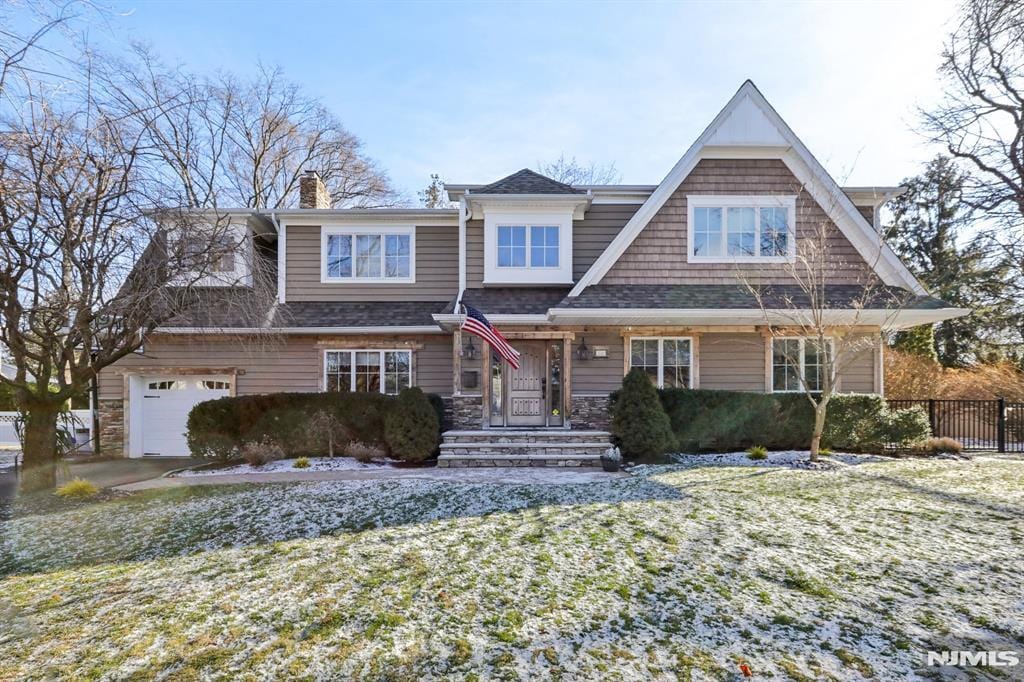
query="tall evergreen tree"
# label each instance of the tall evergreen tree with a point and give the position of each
(934, 232)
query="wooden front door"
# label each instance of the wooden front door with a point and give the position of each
(527, 399)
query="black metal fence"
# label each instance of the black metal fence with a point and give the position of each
(993, 425)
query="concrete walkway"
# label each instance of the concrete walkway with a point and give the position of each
(492, 475)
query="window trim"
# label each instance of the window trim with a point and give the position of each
(352, 352)
(661, 355)
(757, 202)
(528, 228)
(803, 358)
(514, 275)
(383, 232)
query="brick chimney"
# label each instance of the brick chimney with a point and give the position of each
(313, 191)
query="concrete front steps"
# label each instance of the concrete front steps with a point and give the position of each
(523, 448)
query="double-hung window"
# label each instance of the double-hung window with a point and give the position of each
(667, 361)
(371, 371)
(528, 246)
(740, 228)
(795, 360)
(366, 255)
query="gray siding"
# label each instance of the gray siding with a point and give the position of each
(859, 375)
(437, 269)
(289, 364)
(732, 362)
(598, 375)
(474, 253)
(658, 255)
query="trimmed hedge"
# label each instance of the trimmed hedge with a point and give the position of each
(219, 428)
(723, 421)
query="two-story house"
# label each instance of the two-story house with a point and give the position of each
(585, 281)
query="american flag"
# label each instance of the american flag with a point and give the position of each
(479, 325)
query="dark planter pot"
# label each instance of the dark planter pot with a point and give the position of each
(610, 465)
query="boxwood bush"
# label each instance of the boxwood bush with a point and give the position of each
(219, 428)
(722, 421)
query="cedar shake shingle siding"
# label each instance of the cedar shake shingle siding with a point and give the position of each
(658, 254)
(437, 269)
(595, 232)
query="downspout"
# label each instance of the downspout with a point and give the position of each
(463, 217)
(281, 253)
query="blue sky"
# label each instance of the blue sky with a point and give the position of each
(474, 91)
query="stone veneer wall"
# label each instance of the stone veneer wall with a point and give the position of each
(466, 412)
(590, 412)
(111, 414)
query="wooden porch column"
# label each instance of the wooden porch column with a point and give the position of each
(457, 362)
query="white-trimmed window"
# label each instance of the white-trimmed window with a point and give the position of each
(353, 254)
(798, 358)
(374, 371)
(528, 246)
(729, 229)
(667, 361)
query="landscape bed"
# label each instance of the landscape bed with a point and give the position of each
(681, 570)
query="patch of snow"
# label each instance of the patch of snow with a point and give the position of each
(7, 458)
(288, 465)
(794, 459)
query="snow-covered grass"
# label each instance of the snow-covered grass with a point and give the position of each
(283, 465)
(784, 458)
(680, 571)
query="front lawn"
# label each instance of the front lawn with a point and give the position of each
(682, 571)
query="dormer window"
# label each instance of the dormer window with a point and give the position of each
(731, 229)
(528, 246)
(353, 254)
(219, 257)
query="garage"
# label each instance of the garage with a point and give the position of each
(162, 408)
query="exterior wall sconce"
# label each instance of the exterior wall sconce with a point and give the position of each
(470, 350)
(583, 353)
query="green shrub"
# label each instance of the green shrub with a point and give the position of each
(219, 428)
(411, 427)
(757, 452)
(77, 489)
(723, 421)
(301, 463)
(639, 421)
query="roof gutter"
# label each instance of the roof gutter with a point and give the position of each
(417, 329)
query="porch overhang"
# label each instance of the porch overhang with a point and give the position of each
(881, 318)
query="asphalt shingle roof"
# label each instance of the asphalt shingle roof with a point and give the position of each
(527, 181)
(725, 296)
(512, 300)
(358, 314)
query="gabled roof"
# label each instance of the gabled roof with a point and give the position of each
(527, 181)
(749, 121)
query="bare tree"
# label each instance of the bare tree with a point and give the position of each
(432, 196)
(816, 329)
(93, 253)
(981, 118)
(572, 172)
(242, 143)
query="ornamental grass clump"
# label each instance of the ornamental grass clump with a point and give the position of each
(77, 489)
(639, 421)
(757, 452)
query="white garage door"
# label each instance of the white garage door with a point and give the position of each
(166, 402)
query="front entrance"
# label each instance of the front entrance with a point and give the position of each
(532, 395)
(527, 394)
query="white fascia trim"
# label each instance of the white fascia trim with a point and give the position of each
(849, 220)
(425, 329)
(381, 220)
